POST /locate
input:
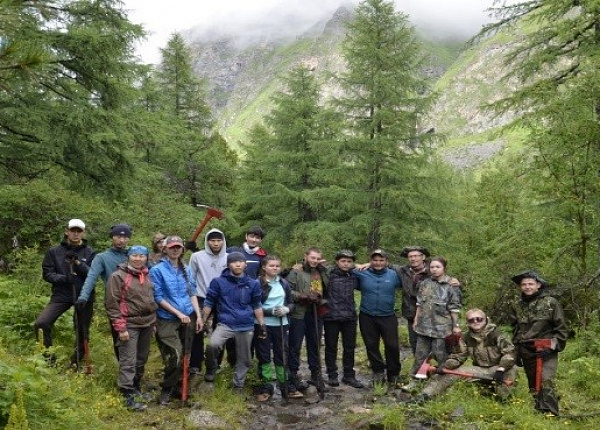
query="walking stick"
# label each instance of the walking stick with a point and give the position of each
(75, 312)
(284, 386)
(320, 382)
(186, 365)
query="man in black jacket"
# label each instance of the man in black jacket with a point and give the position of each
(65, 267)
(341, 318)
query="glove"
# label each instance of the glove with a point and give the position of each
(80, 304)
(544, 353)
(281, 311)
(439, 370)
(262, 331)
(499, 376)
(71, 257)
(303, 299)
(314, 297)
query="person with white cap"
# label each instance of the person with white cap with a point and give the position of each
(104, 264)
(65, 267)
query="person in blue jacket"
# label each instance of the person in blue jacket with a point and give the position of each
(178, 314)
(377, 319)
(104, 265)
(238, 299)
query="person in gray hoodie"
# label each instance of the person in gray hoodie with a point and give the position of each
(206, 265)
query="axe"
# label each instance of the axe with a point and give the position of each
(210, 213)
(540, 345)
(427, 368)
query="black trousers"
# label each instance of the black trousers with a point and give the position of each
(81, 324)
(333, 329)
(374, 329)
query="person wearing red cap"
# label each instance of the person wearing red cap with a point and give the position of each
(65, 267)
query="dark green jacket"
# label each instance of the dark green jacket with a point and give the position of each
(300, 285)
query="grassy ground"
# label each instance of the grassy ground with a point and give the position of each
(58, 398)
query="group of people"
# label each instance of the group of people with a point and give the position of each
(239, 297)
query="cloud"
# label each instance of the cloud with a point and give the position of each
(251, 17)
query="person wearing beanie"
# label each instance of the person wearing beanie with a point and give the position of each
(205, 265)
(104, 265)
(251, 250)
(131, 308)
(238, 299)
(65, 267)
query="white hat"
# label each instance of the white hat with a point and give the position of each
(76, 223)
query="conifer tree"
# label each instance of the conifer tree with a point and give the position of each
(67, 80)
(282, 178)
(198, 163)
(384, 96)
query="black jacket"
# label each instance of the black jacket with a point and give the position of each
(56, 270)
(340, 295)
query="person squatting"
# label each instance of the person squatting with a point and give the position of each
(238, 299)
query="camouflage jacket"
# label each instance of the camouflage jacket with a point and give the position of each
(539, 318)
(437, 299)
(487, 348)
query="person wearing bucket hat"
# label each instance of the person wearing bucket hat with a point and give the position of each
(537, 315)
(131, 308)
(104, 264)
(377, 318)
(341, 319)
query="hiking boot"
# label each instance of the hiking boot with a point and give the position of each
(133, 405)
(297, 383)
(353, 382)
(165, 396)
(333, 381)
(209, 376)
(263, 397)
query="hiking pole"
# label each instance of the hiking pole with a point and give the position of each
(284, 387)
(72, 273)
(186, 365)
(320, 382)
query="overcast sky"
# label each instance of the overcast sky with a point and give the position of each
(161, 18)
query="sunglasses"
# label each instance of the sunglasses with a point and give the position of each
(475, 320)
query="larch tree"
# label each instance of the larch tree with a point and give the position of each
(384, 95)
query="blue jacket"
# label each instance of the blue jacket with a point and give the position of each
(377, 291)
(172, 286)
(235, 300)
(103, 265)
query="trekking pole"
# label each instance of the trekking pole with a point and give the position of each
(320, 382)
(75, 312)
(284, 386)
(186, 365)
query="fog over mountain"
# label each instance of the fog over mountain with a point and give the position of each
(458, 19)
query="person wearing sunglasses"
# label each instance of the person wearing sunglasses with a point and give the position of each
(492, 355)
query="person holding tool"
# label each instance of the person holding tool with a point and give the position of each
(277, 303)
(539, 333)
(178, 315)
(65, 267)
(131, 309)
(493, 356)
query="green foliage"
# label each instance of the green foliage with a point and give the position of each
(17, 420)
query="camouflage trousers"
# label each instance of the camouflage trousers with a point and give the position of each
(547, 400)
(427, 346)
(440, 383)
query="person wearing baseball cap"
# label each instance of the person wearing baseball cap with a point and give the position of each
(104, 265)
(538, 316)
(178, 313)
(65, 267)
